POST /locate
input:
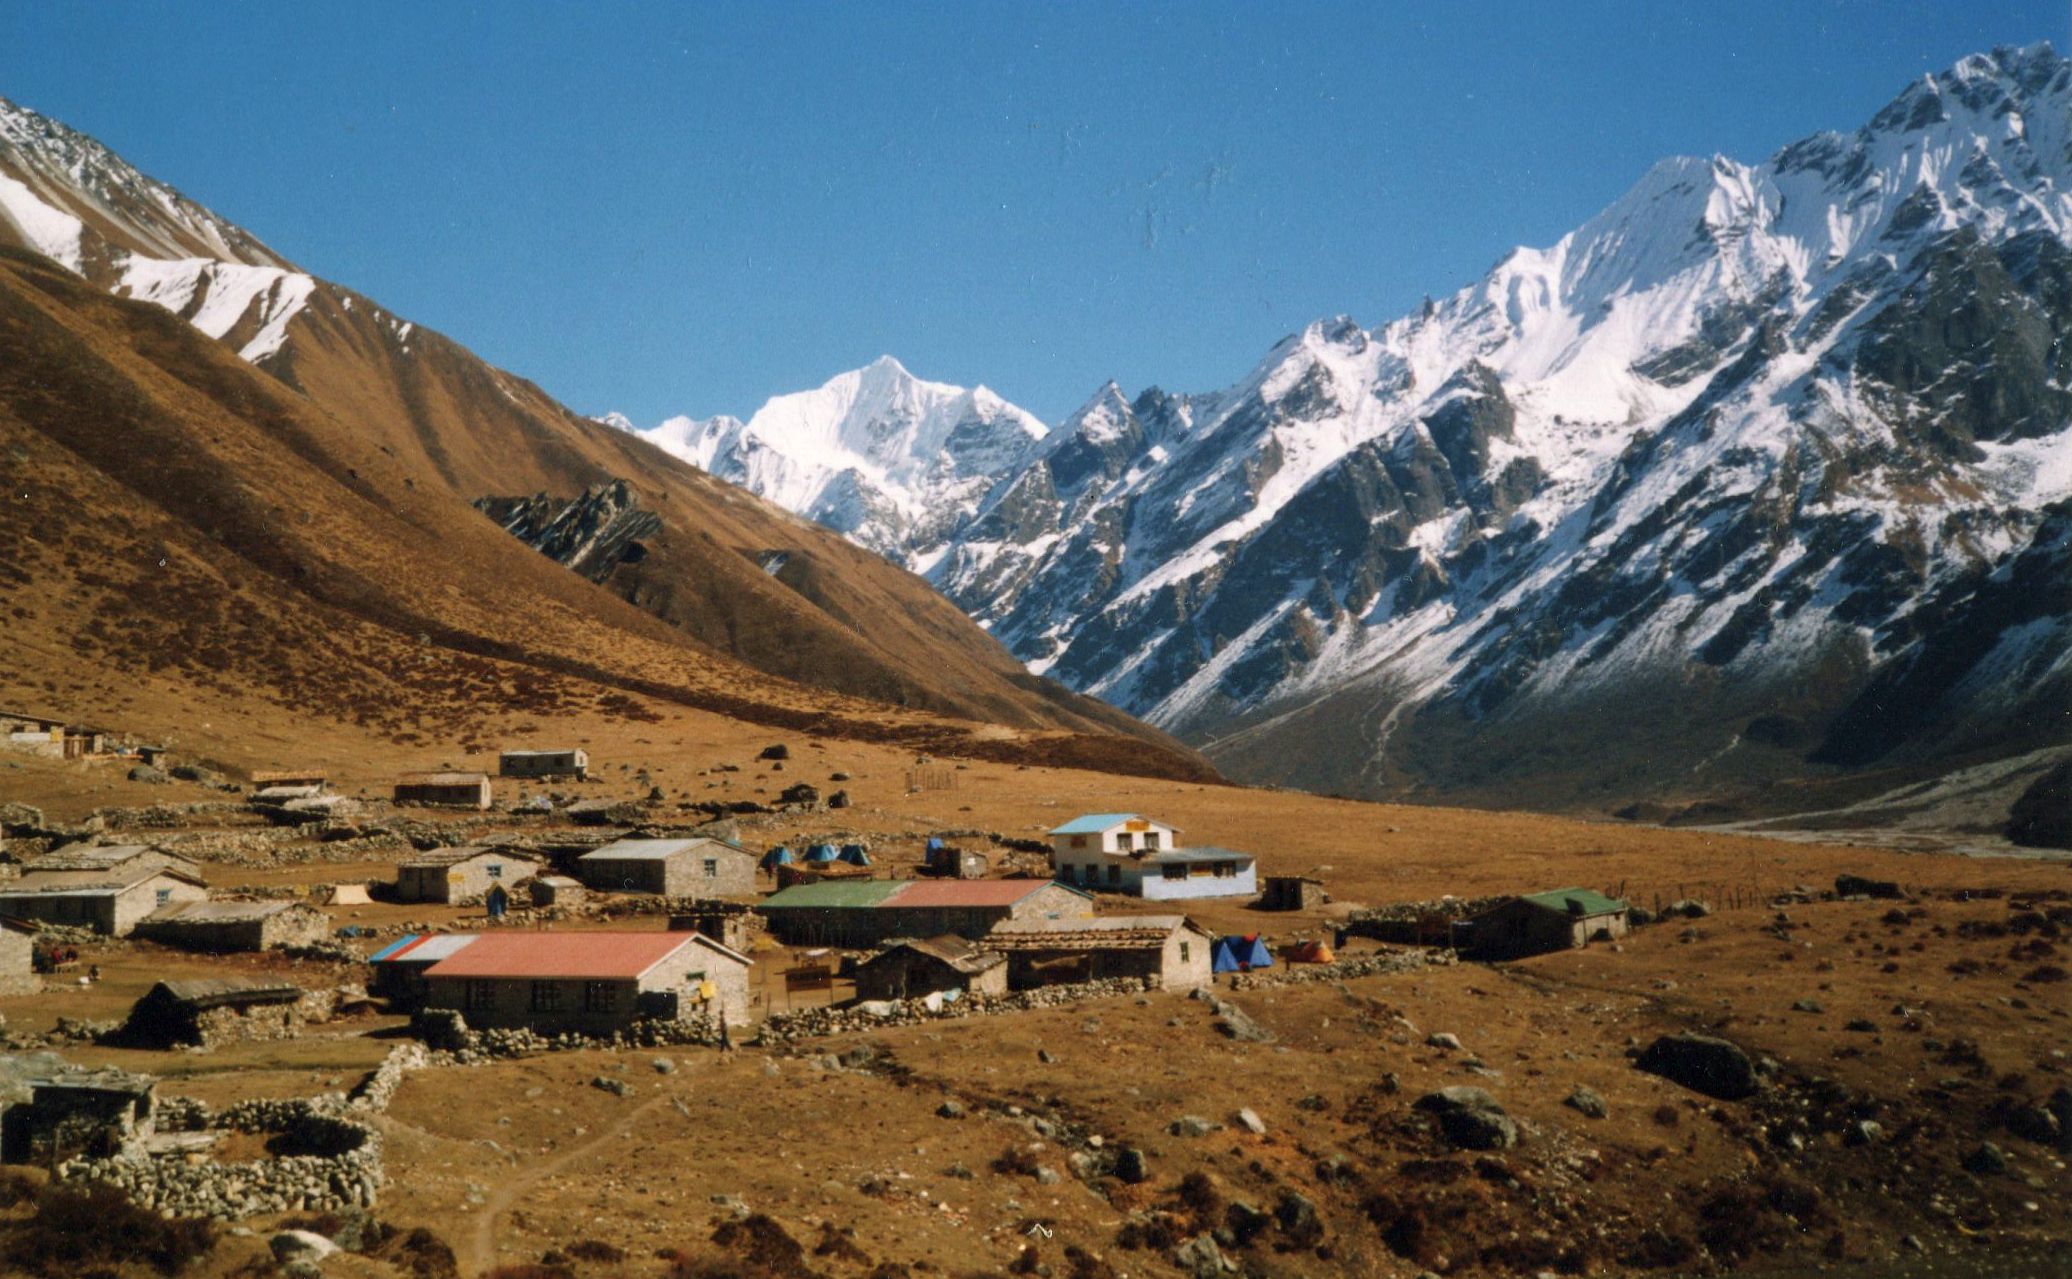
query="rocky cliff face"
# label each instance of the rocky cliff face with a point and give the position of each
(1761, 471)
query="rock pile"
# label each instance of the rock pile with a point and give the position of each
(810, 1023)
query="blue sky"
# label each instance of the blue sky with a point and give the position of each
(666, 209)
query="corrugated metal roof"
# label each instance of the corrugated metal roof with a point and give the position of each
(568, 956)
(957, 952)
(429, 950)
(206, 912)
(230, 990)
(467, 852)
(543, 754)
(1095, 823)
(834, 892)
(89, 856)
(1119, 931)
(966, 892)
(644, 850)
(87, 883)
(442, 779)
(396, 947)
(1591, 902)
(1182, 856)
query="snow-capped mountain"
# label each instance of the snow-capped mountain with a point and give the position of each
(894, 462)
(1736, 476)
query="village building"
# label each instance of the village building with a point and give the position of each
(32, 734)
(945, 862)
(1132, 854)
(557, 890)
(865, 914)
(445, 790)
(107, 901)
(590, 983)
(286, 793)
(462, 876)
(935, 965)
(18, 958)
(1537, 923)
(1293, 892)
(1171, 950)
(96, 1113)
(574, 763)
(221, 927)
(398, 968)
(108, 858)
(670, 867)
(207, 1012)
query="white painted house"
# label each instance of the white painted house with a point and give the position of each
(1130, 853)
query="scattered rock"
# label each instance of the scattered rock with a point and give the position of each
(1858, 886)
(1470, 1118)
(300, 1245)
(1443, 1039)
(952, 1109)
(146, 773)
(1249, 1120)
(1297, 1217)
(840, 799)
(1702, 1064)
(1191, 1126)
(799, 793)
(1586, 1101)
(1245, 1221)
(1199, 1257)
(616, 1087)
(664, 1065)
(1985, 1160)
(1807, 1006)
(2034, 1123)
(1131, 1166)
(1688, 908)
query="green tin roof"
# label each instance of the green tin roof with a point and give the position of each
(835, 892)
(1593, 903)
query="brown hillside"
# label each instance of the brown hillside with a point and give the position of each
(180, 520)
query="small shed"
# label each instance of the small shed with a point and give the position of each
(445, 790)
(235, 925)
(945, 862)
(97, 1113)
(461, 876)
(206, 1012)
(911, 969)
(557, 890)
(399, 967)
(697, 867)
(570, 762)
(1537, 923)
(1293, 892)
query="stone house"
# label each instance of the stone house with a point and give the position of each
(462, 876)
(315, 778)
(589, 982)
(1538, 923)
(1135, 855)
(1293, 892)
(574, 762)
(865, 914)
(557, 890)
(222, 927)
(109, 902)
(207, 1012)
(32, 734)
(1171, 949)
(912, 969)
(671, 867)
(445, 790)
(98, 1113)
(18, 958)
(104, 858)
(399, 968)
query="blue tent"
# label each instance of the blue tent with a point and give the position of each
(855, 855)
(822, 854)
(1223, 959)
(1246, 953)
(778, 856)
(935, 844)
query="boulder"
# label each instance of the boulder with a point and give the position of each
(1245, 1221)
(799, 793)
(1586, 1101)
(778, 751)
(146, 773)
(2035, 1123)
(1702, 1064)
(1470, 1118)
(1445, 1040)
(1688, 908)
(1296, 1215)
(20, 818)
(1191, 1126)
(840, 799)
(300, 1245)
(1249, 1120)
(1200, 1258)
(1985, 1160)
(1857, 886)
(1131, 1167)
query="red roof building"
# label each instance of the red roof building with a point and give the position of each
(589, 982)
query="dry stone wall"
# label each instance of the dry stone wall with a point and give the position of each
(1345, 969)
(809, 1023)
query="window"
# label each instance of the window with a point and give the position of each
(1174, 872)
(1226, 870)
(1125, 841)
(1079, 841)
(546, 997)
(712, 868)
(495, 869)
(164, 895)
(479, 994)
(1115, 874)
(1186, 952)
(600, 997)
(1150, 841)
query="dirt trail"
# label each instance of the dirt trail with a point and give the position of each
(477, 1252)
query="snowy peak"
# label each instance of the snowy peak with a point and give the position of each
(887, 458)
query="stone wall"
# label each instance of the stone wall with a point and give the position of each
(446, 1030)
(1396, 961)
(808, 1023)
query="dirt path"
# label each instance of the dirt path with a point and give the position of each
(478, 1250)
